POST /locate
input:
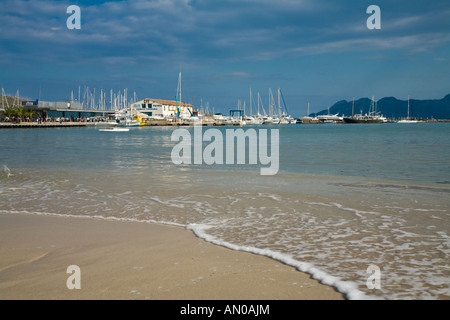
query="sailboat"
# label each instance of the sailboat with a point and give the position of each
(284, 117)
(260, 117)
(308, 119)
(270, 119)
(186, 118)
(251, 119)
(329, 118)
(371, 117)
(407, 120)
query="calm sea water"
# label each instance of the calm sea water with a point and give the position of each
(345, 197)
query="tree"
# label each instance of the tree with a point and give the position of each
(18, 112)
(21, 112)
(10, 112)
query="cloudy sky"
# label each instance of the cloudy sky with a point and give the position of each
(316, 51)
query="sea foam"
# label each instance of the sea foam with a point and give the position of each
(349, 289)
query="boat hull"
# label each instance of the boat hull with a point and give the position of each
(114, 129)
(353, 120)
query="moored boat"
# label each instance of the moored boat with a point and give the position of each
(408, 119)
(371, 117)
(115, 129)
(359, 118)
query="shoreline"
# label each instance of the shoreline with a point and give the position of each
(8, 125)
(127, 260)
(149, 123)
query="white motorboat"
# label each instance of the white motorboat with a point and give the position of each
(115, 129)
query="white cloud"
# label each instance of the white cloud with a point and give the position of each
(204, 31)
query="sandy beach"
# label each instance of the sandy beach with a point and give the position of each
(136, 260)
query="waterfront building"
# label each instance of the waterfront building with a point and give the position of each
(159, 109)
(64, 109)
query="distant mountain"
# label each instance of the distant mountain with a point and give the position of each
(391, 107)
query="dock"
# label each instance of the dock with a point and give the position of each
(153, 122)
(180, 122)
(42, 125)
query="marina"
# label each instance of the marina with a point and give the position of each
(125, 112)
(216, 120)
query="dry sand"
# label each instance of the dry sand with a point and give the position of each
(136, 260)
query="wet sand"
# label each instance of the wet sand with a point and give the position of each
(136, 260)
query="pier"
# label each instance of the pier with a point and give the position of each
(153, 122)
(182, 122)
(42, 125)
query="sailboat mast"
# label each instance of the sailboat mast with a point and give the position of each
(250, 101)
(373, 105)
(279, 103)
(179, 86)
(258, 104)
(353, 107)
(271, 103)
(408, 108)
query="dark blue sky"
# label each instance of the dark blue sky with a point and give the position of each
(317, 51)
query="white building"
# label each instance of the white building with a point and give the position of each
(156, 108)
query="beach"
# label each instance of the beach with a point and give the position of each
(129, 260)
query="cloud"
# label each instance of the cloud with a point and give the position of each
(224, 39)
(208, 31)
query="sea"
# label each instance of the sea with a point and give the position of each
(364, 208)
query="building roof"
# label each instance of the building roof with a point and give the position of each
(169, 102)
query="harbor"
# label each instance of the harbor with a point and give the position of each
(208, 121)
(123, 111)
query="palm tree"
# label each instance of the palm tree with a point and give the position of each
(10, 112)
(21, 112)
(31, 114)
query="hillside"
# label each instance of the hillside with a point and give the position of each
(393, 108)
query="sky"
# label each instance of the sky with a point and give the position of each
(317, 51)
